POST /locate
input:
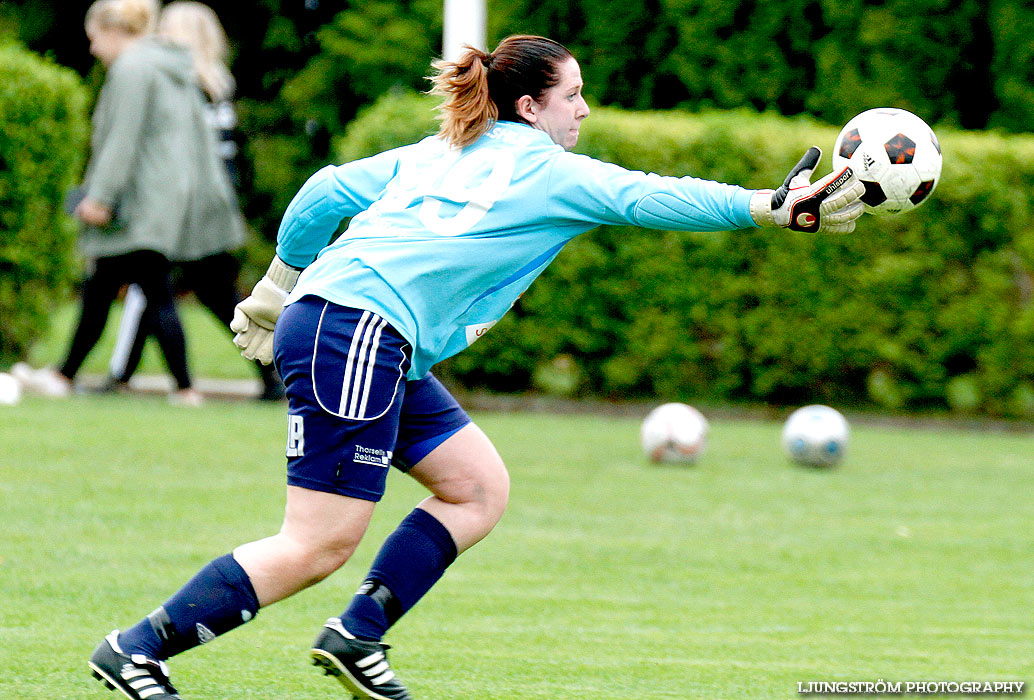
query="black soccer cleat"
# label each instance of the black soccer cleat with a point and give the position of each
(360, 665)
(134, 675)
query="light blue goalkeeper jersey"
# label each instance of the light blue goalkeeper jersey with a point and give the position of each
(443, 241)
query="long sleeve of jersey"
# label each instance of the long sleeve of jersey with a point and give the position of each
(331, 195)
(584, 189)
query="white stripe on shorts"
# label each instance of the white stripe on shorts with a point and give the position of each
(346, 381)
(362, 355)
(371, 368)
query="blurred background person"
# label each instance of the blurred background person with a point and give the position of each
(154, 179)
(204, 262)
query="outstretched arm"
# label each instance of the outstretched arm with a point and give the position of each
(590, 190)
(585, 189)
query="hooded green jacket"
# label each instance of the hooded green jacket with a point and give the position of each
(155, 161)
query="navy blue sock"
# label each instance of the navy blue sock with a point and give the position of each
(410, 561)
(219, 598)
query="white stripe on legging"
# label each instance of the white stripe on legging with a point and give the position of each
(128, 328)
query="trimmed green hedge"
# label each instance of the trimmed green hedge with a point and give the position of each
(42, 141)
(928, 310)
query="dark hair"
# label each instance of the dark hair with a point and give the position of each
(482, 88)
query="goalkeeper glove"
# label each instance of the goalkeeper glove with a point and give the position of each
(830, 205)
(255, 317)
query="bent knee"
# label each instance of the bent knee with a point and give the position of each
(320, 557)
(498, 495)
(487, 491)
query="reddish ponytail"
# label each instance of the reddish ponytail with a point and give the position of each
(468, 110)
(481, 88)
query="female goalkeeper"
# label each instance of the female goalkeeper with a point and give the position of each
(445, 235)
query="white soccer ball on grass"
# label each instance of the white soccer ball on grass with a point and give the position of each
(10, 390)
(816, 436)
(674, 433)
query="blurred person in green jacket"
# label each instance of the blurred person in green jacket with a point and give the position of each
(154, 181)
(212, 277)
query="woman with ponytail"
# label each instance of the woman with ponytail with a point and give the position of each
(445, 234)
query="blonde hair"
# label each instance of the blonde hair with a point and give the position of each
(481, 88)
(134, 17)
(196, 27)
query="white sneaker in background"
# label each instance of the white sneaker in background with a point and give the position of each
(186, 397)
(44, 382)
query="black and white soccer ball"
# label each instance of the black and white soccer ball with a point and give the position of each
(895, 154)
(674, 432)
(816, 436)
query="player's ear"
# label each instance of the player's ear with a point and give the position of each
(527, 108)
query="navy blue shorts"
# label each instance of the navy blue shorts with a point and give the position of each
(351, 412)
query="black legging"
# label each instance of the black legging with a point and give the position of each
(213, 280)
(150, 270)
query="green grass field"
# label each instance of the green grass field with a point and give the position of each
(608, 577)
